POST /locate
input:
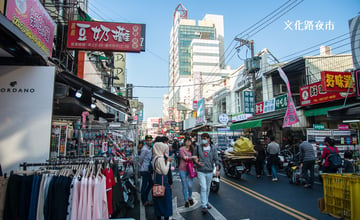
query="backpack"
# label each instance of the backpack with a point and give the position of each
(334, 159)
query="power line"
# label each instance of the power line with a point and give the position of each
(272, 14)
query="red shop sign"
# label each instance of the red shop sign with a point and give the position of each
(336, 81)
(104, 36)
(313, 94)
(259, 108)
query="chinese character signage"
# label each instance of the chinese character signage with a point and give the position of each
(249, 102)
(200, 113)
(141, 115)
(319, 126)
(201, 107)
(269, 105)
(274, 104)
(194, 105)
(259, 108)
(313, 94)
(31, 18)
(343, 127)
(240, 117)
(104, 36)
(336, 81)
(281, 102)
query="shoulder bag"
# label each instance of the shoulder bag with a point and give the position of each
(191, 168)
(158, 190)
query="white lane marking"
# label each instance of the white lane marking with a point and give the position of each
(216, 214)
(197, 204)
(142, 209)
(176, 213)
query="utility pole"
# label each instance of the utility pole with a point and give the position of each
(252, 64)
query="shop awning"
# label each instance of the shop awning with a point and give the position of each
(256, 121)
(90, 90)
(319, 111)
(347, 112)
(246, 124)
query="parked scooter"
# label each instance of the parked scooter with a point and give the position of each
(234, 167)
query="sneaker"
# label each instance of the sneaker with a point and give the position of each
(204, 210)
(191, 201)
(208, 206)
(275, 179)
(187, 204)
(307, 186)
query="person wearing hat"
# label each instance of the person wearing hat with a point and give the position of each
(146, 175)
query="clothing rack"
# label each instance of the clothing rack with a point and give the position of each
(68, 162)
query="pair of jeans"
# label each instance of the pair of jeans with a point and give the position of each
(146, 185)
(273, 171)
(204, 181)
(187, 184)
(308, 166)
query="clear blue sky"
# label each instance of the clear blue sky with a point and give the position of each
(151, 67)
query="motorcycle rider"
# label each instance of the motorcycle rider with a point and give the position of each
(307, 161)
(207, 157)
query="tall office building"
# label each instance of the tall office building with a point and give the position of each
(196, 57)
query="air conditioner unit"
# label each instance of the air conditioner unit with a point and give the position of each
(283, 88)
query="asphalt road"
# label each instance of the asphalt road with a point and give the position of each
(249, 198)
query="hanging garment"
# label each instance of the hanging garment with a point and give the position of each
(110, 182)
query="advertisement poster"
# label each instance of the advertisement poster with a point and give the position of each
(26, 104)
(31, 17)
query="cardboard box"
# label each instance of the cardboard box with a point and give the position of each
(321, 205)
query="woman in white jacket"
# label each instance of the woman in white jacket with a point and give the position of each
(161, 164)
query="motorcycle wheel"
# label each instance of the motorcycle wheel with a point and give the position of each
(215, 186)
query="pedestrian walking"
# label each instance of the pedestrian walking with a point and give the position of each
(161, 164)
(307, 161)
(260, 159)
(348, 166)
(140, 146)
(273, 150)
(145, 170)
(330, 145)
(186, 155)
(207, 158)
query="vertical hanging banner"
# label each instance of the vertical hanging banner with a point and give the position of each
(119, 70)
(290, 115)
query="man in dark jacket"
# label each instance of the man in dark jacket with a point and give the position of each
(307, 161)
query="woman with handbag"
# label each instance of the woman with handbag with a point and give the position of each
(161, 164)
(186, 180)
